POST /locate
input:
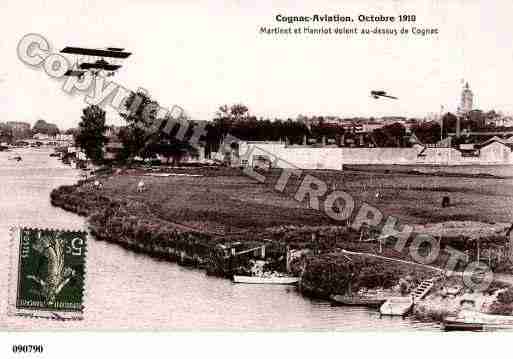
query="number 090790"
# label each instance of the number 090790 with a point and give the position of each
(22, 348)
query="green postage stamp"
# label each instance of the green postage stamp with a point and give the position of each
(47, 273)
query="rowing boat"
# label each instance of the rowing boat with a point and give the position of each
(357, 300)
(285, 280)
(396, 306)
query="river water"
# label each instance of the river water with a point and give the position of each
(125, 290)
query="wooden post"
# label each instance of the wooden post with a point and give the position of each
(262, 252)
(287, 259)
(510, 245)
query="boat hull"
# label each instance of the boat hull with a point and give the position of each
(265, 280)
(357, 301)
(452, 325)
(396, 306)
(472, 320)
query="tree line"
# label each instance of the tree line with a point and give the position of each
(11, 132)
(140, 138)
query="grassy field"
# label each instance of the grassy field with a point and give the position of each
(503, 171)
(220, 201)
(224, 205)
(225, 200)
(417, 198)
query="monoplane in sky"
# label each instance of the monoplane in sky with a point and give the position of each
(379, 93)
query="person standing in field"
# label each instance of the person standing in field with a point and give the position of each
(141, 186)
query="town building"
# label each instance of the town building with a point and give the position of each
(18, 126)
(466, 101)
(500, 121)
(41, 136)
(495, 151)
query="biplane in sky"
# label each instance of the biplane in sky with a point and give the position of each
(378, 93)
(94, 60)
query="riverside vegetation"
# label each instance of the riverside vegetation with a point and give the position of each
(197, 220)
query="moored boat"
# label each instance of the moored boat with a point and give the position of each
(285, 280)
(357, 300)
(449, 324)
(474, 320)
(396, 306)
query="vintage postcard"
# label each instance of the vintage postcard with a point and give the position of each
(335, 166)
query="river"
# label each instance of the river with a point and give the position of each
(125, 290)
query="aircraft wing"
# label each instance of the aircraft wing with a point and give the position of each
(96, 52)
(395, 98)
(107, 67)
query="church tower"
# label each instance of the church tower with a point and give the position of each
(467, 98)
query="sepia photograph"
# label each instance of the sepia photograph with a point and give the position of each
(294, 170)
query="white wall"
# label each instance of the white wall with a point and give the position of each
(496, 152)
(334, 158)
(294, 156)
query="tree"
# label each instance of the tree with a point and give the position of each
(427, 132)
(146, 135)
(239, 112)
(6, 133)
(171, 148)
(41, 126)
(397, 132)
(449, 121)
(91, 133)
(477, 120)
(228, 117)
(132, 139)
(140, 114)
(71, 131)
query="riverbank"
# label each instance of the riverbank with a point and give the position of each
(196, 216)
(133, 291)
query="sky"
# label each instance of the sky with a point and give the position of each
(200, 55)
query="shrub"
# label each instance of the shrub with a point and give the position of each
(506, 297)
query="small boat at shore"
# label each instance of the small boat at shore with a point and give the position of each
(357, 300)
(453, 325)
(284, 280)
(472, 320)
(396, 306)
